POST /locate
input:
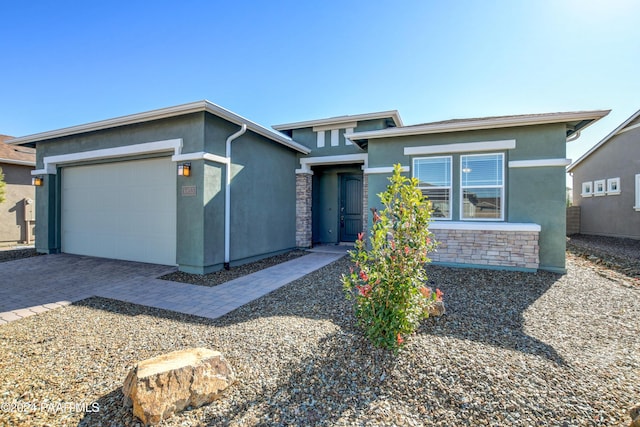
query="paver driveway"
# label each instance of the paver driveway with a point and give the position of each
(33, 285)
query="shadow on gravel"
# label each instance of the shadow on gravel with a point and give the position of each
(322, 389)
(343, 376)
(608, 253)
(488, 306)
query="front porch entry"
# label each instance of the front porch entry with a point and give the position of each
(335, 212)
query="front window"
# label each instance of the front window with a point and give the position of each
(482, 185)
(599, 187)
(587, 189)
(613, 186)
(434, 176)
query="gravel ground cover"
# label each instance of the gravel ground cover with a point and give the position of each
(222, 276)
(619, 255)
(514, 349)
(11, 254)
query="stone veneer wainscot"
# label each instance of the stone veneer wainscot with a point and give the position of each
(512, 245)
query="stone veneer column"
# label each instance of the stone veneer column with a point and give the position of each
(303, 210)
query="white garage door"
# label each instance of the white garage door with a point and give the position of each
(122, 210)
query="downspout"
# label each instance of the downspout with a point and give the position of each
(227, 195)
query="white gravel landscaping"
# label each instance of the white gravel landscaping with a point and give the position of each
(514, 349)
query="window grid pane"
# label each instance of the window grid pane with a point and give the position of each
(482, 185)
(482, 170)
(440, 202)
(434, 179)
(433, 172)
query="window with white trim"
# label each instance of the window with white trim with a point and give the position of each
(434, 179)
(482, 187)
(613, 186)
(637, 206)
(587, 189)
(599, 187)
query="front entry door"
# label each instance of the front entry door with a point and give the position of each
(350, 207)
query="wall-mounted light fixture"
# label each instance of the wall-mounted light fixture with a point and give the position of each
(184, 169)
(37, 181)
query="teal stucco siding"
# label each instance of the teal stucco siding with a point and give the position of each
(532, 194)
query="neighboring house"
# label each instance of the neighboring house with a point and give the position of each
(606, 183)
(16, 212)
(113, 188)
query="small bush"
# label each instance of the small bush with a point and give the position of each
(388, 281)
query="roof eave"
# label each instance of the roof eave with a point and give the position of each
(394, 114)
(157, 115)
(604, 140)
(482, 124)
(18, 162)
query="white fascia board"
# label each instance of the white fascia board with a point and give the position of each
(51, 162)
(539, 163)
(466, 125)
(201, 155)
(341, 120)
(259, 129)
(384, 169)
(161, 114)
(307, 162)
(18, 162)
(464, 147)
(484, 226)
(343, 125)
(616, 131)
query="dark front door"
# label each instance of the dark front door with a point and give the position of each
(350, 207)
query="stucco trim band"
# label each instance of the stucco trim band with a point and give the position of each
(539, 163)
(51, 162)
(464, 147)
(201, 155)
(384, 169)
(485, 226)
(307, 162)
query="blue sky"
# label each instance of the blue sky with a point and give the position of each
(67, 63)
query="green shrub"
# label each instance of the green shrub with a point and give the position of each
(388, 281)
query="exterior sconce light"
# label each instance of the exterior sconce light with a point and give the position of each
(184, 169)
(37, 181)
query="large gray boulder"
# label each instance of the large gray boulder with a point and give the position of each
(159, 387)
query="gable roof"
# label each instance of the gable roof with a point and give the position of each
(391, 114)
(16, 155)
(162, 113)
(631, 123)
(576, 121)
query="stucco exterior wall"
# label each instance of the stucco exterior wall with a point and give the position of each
(262, 189)
(610, 214)
(13, 228)
(188, 127)
(532, 194)
(263, 197)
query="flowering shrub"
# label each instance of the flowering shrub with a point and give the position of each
(388, 281)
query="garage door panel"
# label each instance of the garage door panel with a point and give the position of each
(123, 210)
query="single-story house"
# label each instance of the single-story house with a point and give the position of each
(17, 212)
(606, 183)
(201, 187)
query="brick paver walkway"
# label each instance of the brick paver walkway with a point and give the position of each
(34, 285)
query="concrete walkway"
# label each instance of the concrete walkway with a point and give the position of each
(34, 285)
